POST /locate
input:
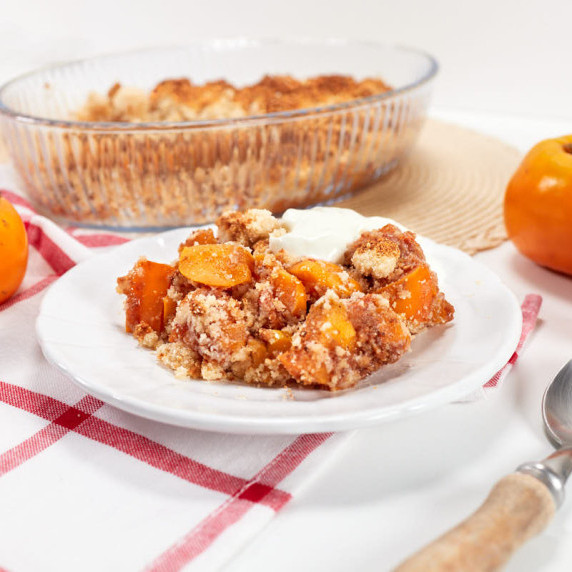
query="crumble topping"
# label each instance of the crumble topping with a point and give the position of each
(377, 258)
(230, 308)
(249, 227)
(182, 100)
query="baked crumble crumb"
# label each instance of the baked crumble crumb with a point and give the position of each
(182, 100)
(376, 258)
(184, 361)
(247, 228)
(231, 309)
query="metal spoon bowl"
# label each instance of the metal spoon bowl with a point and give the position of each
(557, 415)
(557, 408)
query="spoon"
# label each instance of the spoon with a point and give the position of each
(518, 507)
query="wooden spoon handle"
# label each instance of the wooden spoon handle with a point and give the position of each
(518, 507)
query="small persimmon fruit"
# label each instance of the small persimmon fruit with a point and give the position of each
(13, 250)
(538, 205)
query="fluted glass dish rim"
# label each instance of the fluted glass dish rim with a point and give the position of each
(229, 43)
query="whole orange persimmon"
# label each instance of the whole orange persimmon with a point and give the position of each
(538, 205)
(13, 250)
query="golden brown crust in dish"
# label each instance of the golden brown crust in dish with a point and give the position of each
(230, 308)
(137, 176)
(182, 100)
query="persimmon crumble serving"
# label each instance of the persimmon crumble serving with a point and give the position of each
(233, 308)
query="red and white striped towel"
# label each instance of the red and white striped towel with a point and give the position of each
(84, 486)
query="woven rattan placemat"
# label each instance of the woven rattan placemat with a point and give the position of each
(450, 188)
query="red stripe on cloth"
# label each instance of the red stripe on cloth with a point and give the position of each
(232, 510)
(530, 309)
(493, 381)
(290, 458)
(29, 292)
(100, 240)
(180, 554)
(96, 239)
(17, 199)
(48, 249)
(170, 461)
(32, 402)
(78, 418)
(30, 447)
(69, 419)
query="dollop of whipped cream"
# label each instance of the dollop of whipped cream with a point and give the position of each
(323, 232)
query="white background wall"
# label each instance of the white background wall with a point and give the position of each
(501, 56)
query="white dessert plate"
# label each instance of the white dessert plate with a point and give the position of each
(81, 331)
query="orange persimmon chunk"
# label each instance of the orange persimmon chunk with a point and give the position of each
(277, 341)
(318, 277)
(290, 291)
(413, 294)
(145, 287)
(258, 351)
(169, 308)
(327, 326)
(217, 265)
(334, 326)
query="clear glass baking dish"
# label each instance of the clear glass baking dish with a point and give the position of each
(157, 175)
